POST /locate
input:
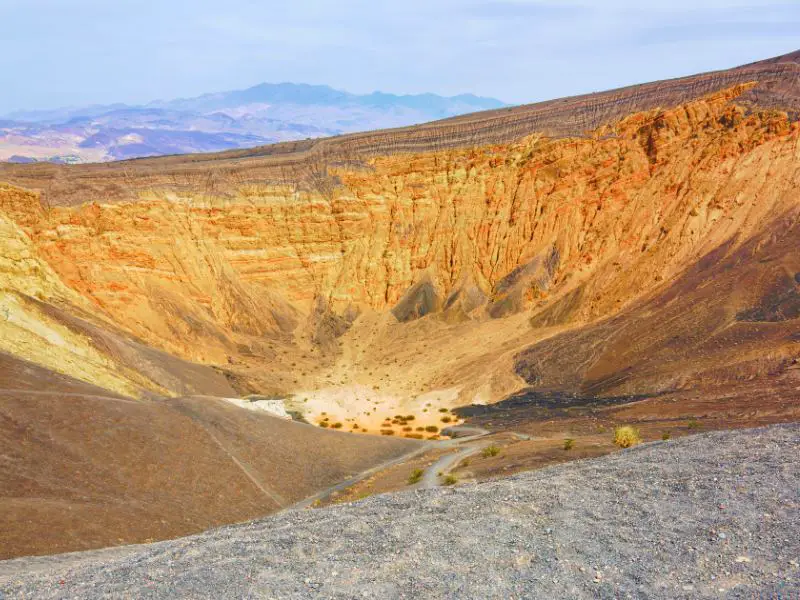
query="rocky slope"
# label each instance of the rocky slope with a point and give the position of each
(711, 516)
(567, 231)
(639, 243)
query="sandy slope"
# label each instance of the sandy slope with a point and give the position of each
(82, 468)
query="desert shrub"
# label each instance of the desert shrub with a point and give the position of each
(693, 424)
(450, 479)
(464, 463)
(490, 451)
(416, 476)
(431, 429)
(420, 428)
(387, 431)
(443, 410)
(337, 425)
(324, 424)
(569, 443)
(410, 417)
(626, 436)
(414, 436)
(446, 419)
(408, 429)
(665, 436)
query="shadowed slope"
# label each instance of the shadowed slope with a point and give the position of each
(734, 315)
(84, 469)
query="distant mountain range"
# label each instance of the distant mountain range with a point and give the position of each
(262, 114)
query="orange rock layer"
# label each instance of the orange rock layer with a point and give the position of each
(591, 224)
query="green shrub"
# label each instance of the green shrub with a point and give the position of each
(665, 436)
(490, 451)
(450, 479)
(693, 424)
(569, 443)
(416, 476)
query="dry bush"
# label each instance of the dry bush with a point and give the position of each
(569, 443)
(626, 436)
(450, 479)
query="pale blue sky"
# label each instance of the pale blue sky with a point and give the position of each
(73, 52)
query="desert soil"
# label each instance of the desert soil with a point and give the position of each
(714, 515)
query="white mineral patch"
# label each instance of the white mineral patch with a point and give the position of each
(274, 407)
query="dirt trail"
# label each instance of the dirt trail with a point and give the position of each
(325, 494)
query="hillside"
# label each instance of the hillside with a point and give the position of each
(712, 516)
(638, 244)
(84, 468)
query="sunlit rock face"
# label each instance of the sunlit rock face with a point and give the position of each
(398, 261)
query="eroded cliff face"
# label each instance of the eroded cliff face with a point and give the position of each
(527, 239)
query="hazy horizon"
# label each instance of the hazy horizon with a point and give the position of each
(517, 51)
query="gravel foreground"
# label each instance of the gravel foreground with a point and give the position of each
(715, 515)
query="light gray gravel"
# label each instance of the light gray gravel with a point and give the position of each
(712, 516)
